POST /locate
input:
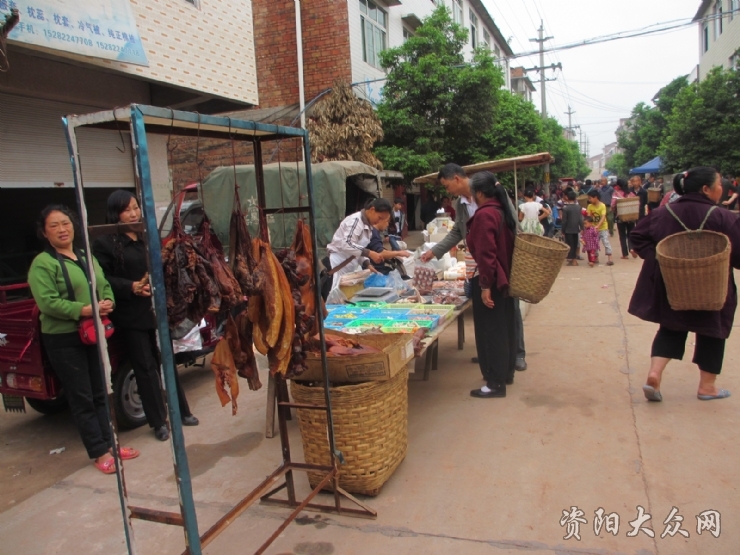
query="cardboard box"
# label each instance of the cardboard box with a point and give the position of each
(398, 350)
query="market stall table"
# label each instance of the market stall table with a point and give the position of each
(430, 344)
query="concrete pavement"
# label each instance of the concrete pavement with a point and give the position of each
(480, 476)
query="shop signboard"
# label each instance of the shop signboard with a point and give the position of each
(96, 28)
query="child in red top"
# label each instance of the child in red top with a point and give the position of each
(590, 240)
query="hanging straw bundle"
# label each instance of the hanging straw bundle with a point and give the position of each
(344, 127)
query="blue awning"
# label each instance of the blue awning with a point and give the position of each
(654, 166)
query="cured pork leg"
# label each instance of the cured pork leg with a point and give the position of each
(224, 369)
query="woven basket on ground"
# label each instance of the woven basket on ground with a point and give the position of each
(370, 429)
(628, 209)
(536, 265)
(696, 268)
(583, 201)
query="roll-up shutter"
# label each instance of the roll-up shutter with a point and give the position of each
(34, 147)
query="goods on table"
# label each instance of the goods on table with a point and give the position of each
(388, 318)
(343, 346)
(370, 429)
(424, 277)
(628, 209)
(192, 290)
(536, 264)
(695, 266)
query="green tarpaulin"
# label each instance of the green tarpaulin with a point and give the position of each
(285, 185)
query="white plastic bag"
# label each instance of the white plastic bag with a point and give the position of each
(336, 296)
(395, 280)
(190, 342)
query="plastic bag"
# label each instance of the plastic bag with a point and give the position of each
(424, 275)
(377, 280)
(336, 297)
(191, 341)
(394, 280)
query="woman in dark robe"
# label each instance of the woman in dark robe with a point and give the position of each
(701, 190)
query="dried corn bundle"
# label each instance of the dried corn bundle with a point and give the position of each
(344, 127)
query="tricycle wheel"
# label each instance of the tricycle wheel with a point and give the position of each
(126, 400)
(48, 406)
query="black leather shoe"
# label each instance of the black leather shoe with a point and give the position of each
(162, 433)
(521, 364)
(498, 391)
(190, 421)
(474, 360)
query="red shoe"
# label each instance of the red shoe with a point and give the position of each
(106, 467)
(127, 453)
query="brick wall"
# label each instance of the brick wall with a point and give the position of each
(326, 57)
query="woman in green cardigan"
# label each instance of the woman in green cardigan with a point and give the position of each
(76, 365)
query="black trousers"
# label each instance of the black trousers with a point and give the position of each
(521, 352)
(78, 368)
(495, 335)
(709, 352)
(624, 229)
(144, 356)
(571, 239)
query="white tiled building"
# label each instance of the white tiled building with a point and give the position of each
(378, 24)
(719, 35)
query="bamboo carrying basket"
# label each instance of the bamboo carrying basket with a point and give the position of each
(654, 194)
(536, 265)
(695, 266)
(628, 209)
(370, 429)
(583, 201)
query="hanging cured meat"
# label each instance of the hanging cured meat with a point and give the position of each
(192, 290)
(303, 248)
(240, 248)
(228, 286)
(224, 369)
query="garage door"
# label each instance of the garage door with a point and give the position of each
(34, 147)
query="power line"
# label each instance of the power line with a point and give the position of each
(644, 31)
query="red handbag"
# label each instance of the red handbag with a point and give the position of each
(86, 326)
(88, 334)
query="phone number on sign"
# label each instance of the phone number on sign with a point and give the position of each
(67, 38)
(115, 48)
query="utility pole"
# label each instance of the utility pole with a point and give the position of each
(541, 39)
(569, 113)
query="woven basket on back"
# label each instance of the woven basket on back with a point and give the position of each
(583, 201)
(654, 194)
(370, 429)
(628, 209)
(695, 266)
(537, 262)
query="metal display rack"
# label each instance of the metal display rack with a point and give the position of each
(147, 119)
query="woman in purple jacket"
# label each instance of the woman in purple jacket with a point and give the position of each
(701, 189)
(491, 242)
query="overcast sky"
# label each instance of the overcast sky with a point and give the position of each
(602, 82)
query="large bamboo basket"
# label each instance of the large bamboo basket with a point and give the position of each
(628, 209)
(583, 201)
(654, 194)
(696, 268)
(370, 429)
(536, 265)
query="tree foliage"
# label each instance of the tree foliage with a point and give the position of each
(436, 108)
(644, 132)
(617, 165)
(703, 126)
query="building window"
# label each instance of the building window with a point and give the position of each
(706, 37)
(193, 2)
(438, 2)
(473, 29)
(735, 62)
(486, 40)
(733, 8)
(718, 23)
(457, 11)
(407, 34)
(374, 22)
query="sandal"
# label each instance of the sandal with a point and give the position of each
(106, 467)
(721, 394)
(127, 453)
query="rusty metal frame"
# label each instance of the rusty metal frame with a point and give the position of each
(147, 119)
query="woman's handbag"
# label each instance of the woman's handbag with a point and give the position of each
(86, 326)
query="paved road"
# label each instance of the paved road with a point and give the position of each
(480, 476)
